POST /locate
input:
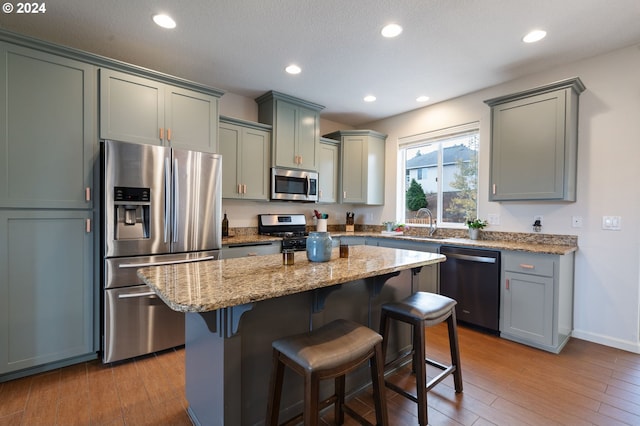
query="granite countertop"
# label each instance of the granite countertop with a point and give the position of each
(501, 241)
(515, 245)
(210, 285)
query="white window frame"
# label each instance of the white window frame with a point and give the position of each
(426, 138)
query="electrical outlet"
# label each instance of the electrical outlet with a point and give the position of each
(493, 219)
(576, 221)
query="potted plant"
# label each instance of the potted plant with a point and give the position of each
(475, 226)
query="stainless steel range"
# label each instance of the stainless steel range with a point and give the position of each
(291, 227)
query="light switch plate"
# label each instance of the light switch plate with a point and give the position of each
(612, 223)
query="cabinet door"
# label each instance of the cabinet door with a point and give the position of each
(230, 139)
(353, 169)
(528, 148)
(528, 307)
(328, 167)
(46, 287)
(255, 164)
(308, 136)
(131, 108)
(235, 251)
(191, 120)
(47, 130)
(285, 135)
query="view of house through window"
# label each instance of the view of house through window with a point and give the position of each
(440, 173)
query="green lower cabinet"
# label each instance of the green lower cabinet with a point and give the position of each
(233, 251)
(537, 299)
(46, 288)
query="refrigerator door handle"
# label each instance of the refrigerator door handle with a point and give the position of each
(167, 198)
(136, 295)
(168, 262)
(176, 201)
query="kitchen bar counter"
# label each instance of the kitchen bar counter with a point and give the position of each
(210, 285)
(235, 309)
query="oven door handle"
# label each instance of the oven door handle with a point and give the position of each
(481, 259)
(149, 294)
(168, 262)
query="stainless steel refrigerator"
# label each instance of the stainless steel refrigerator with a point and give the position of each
(159, 205)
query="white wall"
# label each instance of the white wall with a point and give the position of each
(607, 279)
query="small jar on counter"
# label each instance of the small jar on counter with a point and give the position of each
(319, 245)
(288, 257)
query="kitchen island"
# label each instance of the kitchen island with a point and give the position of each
(235, 308)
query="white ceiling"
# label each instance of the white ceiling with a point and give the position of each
(448, 47)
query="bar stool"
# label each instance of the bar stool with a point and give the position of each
(330, 352)
(423, 310)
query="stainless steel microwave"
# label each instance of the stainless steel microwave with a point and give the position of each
(294, 185)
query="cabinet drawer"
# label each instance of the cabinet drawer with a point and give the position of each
(528, 264)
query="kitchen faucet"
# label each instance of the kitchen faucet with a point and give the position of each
(432, 222)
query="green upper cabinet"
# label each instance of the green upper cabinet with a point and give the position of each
(534, 143)
(142, 110)
(245, 149)
(362, 166)
(48, 131)
(328, 170)
(296, 130)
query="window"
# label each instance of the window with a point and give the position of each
(440, 172)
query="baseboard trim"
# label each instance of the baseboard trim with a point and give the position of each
(607, 341)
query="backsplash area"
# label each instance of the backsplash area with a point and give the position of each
(533, 238)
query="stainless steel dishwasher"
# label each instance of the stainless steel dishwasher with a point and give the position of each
(472, 278)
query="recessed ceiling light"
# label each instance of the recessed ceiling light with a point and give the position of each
(165, 21)
(293, 69)
(533, 36)
(391, 30)
(422, 99)
(369, 98)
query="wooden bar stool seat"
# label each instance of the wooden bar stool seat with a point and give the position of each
(422, 310)
(330, 352)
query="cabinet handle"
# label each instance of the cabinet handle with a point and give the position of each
(494, 189)
(87, 225)
(169, 135)
(239, 188)
(161, 133)
(300, 159)
(344, 194)
(507, 282)
(87, 194)
(527, 266)
(244, 188)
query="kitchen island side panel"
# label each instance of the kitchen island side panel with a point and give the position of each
(227, 379)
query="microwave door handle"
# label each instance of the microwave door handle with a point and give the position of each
(308, 189)
(167, 198)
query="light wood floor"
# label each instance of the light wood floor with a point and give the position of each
(505, 383)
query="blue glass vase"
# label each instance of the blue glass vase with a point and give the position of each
(319, 245)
